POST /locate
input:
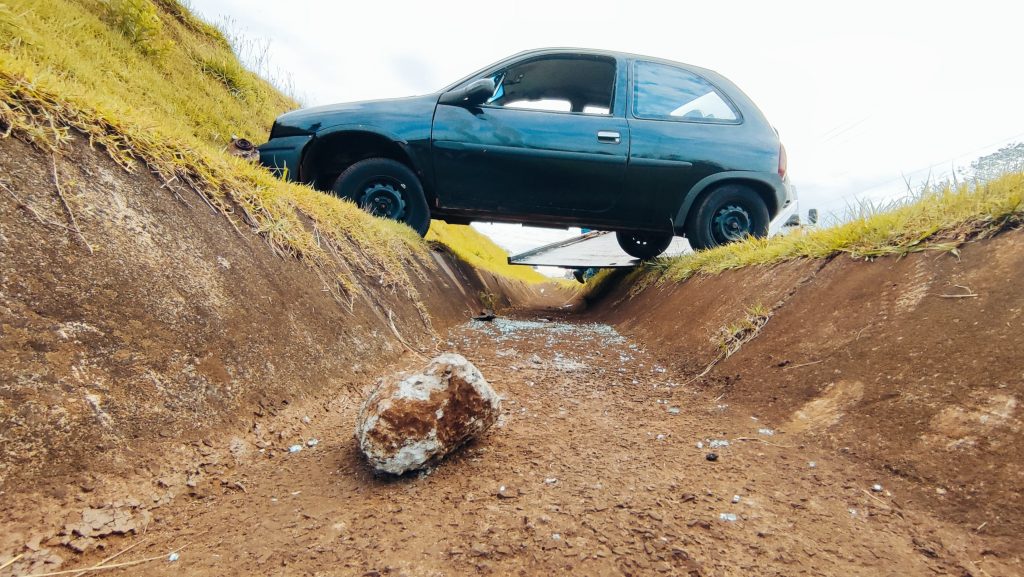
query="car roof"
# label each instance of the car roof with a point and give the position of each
(710, 74)
(598, 52)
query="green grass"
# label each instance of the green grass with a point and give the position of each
(479, 251)
(939, 220)
(162, 91)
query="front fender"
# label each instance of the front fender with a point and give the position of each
(780, 193)
(402, 142)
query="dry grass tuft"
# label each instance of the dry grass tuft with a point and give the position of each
(732, 337)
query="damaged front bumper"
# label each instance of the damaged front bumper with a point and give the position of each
(283, 155)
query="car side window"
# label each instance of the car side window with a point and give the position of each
(583, 85)
(662, 92)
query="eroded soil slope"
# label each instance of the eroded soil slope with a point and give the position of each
(912, 366)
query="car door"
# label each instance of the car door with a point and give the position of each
(682, 128)
(539, 145)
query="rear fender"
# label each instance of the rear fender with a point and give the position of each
(768, 185)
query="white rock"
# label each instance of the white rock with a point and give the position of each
(413, 419)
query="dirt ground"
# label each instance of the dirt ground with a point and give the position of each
(598, 466)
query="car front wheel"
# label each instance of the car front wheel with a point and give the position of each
(388, 189)
(643, 245)
(729, 213)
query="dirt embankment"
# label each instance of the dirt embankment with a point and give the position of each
(156, 376)
(911, 365)
(163, 326)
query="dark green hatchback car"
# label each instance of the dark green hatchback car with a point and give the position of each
(561, 137)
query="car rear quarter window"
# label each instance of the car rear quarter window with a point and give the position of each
(663, 92)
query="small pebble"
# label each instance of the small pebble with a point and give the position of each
(876, 488)
(712, 456)
(173, 557)
(700, 445)
(508, 492)
(312, 442)
(812, 464)
(735, 499)
(730, 517)
(294, 448)
(551, 480)
(673, 410)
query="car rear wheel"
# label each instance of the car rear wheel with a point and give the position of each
(388, 189)
(729, 213)
(643, 245)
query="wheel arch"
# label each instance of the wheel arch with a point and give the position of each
(333, 151)
(763, 186)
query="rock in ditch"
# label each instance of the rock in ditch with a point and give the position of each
(411, 420)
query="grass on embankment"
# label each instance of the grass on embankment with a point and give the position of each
(162, 90)
(479, 251)
(941, 220)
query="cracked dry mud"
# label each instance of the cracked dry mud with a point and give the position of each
(593, 469)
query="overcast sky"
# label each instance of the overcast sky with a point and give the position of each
(862, 94)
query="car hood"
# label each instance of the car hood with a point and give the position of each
(372, 112)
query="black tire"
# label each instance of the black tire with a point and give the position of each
(386, 188)
(643, 245)
(727, 214)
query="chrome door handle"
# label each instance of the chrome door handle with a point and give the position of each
(609, 137)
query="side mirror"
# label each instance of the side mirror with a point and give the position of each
(474, 94)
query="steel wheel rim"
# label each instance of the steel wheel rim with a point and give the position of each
(731, 223)
(384, 199)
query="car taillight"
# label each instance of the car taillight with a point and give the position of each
(783, 161)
